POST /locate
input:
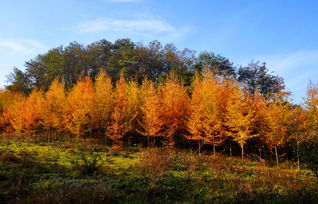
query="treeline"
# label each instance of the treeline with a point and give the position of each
(214, 110)
(137, 62)
(157, 96)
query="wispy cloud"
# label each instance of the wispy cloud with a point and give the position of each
(145, 26)
(288, 62)
(119, 25)
(23, 46)
(297, 68)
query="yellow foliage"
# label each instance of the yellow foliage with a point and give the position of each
(175, 108)
(241, 117)
(151, 120)
(103, 101)
(53, 107)
(78, 108)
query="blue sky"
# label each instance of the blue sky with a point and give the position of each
(281, 33)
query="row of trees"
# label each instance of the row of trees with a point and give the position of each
(137, 62)
(214, 109)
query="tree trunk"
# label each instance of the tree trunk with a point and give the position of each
(260, 153)
(214, 150)
(230, 150)
(242, 148)
(49, 139)
(105, 140)
(199, 148)
(276, 155)
(298, 162)
(148, 141)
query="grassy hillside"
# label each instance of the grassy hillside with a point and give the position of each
(64, 173)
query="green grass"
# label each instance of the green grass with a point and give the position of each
(62, 173)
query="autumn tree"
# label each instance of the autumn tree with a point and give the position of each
(205, 117)
(196, 120)
(277, 118)
(7, 98)
(241, 118)
(299, 130)
(175, 108)
(260, 124)
(15, 114)
(311, 105)
(151, 120)
(52, 114)
(78, 108)
(33, 108)
(125, 111)
(103, 102)
(25, 114)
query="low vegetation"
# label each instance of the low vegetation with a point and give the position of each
(64, 173)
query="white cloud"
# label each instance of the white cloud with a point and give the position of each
(297, 68)
(128, 26)
(21, 46)
(13, 46)
(142, 26)
(286, 62)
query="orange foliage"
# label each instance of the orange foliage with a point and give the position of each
(78, 108)
(125, 111)
(205, 119)
(53, 107)
(103, 101)
(25, 114)
(151, 121)
(241, 118)
(175, 108)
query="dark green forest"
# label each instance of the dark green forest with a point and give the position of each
(137, 62)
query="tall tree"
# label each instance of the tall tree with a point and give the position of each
(103, 102)
(175, 108)
(52, 114)
(241, 118)
(220, 64)
(277, 116)
(311, 105)
(125, 111)
(197, 118)
(78, 108)
(151, 120)
(256, 76)
(19, 82)
(205, 119)
(299, 129)
(14, 113)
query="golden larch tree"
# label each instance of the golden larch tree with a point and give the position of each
(7, 99)
(77, 111)
(14, 114)
(311, 105)
(103, 102)
(277, 116)
(196, 119)
(33, 108)
(299, 129)
(52, 114)
(205, 122)
(261, 125)
(125, 111)
(151, 119)
(175, 108)
(241, 118)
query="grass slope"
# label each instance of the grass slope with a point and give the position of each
(62, 173)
